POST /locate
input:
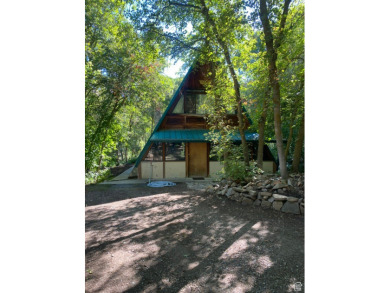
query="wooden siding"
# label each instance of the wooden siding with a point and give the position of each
(195, 121)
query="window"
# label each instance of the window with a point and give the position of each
(155, 152)
(192, 103)
(179, 109)
(175, 151)
(202, 101)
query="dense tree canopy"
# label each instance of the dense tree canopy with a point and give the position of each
(124, 86)
(258, 46)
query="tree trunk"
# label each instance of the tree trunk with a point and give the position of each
(298, 146)
(296, 105)
(262, 120)
(290, 134)
(222, 43)
(274, 80)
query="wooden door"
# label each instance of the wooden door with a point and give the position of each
(197, 159)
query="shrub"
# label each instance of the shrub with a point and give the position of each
(93, 177)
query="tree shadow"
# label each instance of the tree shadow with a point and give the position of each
(193, 242)
(98, 194)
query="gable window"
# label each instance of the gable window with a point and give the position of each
(179, 109)
(191, 103)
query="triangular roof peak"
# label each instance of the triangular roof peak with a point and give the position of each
(191, 82)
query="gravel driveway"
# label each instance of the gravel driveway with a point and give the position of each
(173, 239)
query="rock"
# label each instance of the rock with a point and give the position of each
(247, 201)
(289, 182)
(264, 189)
(277, 205)
(291, 208)
(302, 208)
(252, 192)
(280, 185)
(279, 197)
(224, 190)
(238, 189)
(271, 199)
(252, 197)
(265, 204)
(219, 193)
(300, 200)
(229, 192)
(292, 199)
(257, 202)
(265, 193)
(268, 186)
(235, 197)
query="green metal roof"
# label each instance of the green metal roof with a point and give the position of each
(194, 135)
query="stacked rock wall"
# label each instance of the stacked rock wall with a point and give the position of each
(266, 191)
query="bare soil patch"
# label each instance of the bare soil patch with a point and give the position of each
(172, 239)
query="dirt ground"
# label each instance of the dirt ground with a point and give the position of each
(172, 239)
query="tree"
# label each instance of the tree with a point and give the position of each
(257, 58)
(121, 69)
(273, 76)
(215, 22)
(223, 44)
(298, 146)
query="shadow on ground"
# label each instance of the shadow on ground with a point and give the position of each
(96, 194)
(176, 240)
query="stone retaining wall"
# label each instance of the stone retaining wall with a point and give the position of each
(286, 196)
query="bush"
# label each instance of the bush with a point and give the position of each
(131, 161)
(235, 168)
(93, 177)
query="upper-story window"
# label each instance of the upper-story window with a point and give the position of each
(191, 103)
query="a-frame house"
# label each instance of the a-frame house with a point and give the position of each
(177, 147)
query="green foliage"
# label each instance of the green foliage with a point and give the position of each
(235, 169)
(234, 166)
(94, 177)
(125, 92)
(124, 86)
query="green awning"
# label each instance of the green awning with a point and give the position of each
(194, 135)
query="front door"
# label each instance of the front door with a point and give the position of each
(197, 159)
